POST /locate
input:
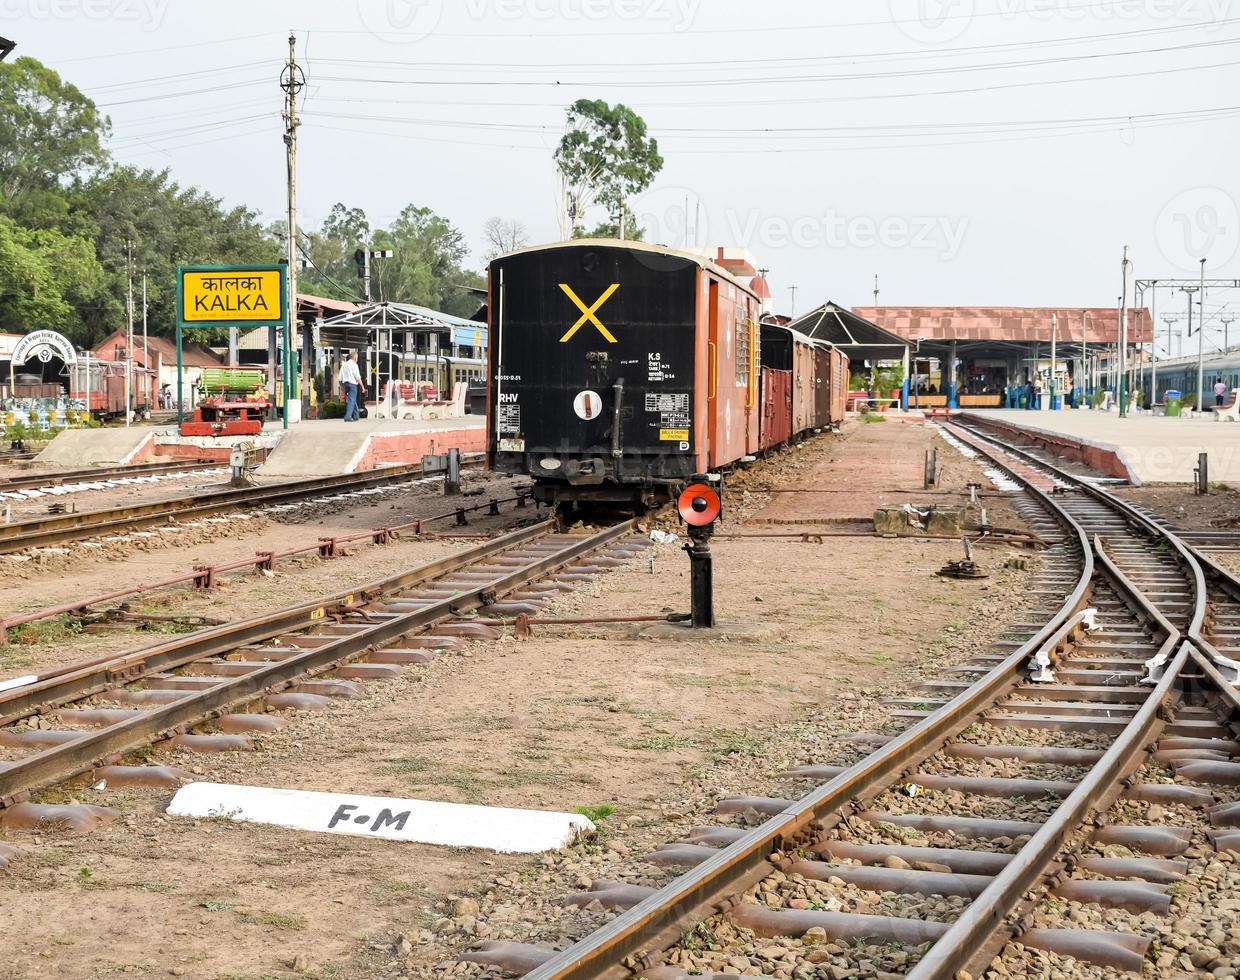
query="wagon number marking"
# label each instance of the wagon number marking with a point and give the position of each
(587, 313)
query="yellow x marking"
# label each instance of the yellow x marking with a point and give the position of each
(588, 313)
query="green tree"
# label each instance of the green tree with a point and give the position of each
(605, 156)
(427, 267)
(50, 133)
(332, 272)
(45, 279)
(168, 226)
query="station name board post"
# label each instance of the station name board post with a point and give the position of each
(232, 296)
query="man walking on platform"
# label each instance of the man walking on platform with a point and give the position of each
(351, 379)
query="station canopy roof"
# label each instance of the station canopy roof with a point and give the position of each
(856, 336)
(363, 326)
(1000, 326)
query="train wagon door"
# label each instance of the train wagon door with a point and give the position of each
(712, 373)
(822, 386)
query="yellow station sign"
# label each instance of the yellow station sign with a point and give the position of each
(223, 295)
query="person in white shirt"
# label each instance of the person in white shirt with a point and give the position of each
(351, 380)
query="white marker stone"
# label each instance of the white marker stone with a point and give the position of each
(500, 829)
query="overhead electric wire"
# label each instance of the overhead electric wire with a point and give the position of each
(782, 79)
(805, 100)
(753, 28)
(180, 95)
(734, 63)
(884, 130)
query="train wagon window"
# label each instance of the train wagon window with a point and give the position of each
(742, 347)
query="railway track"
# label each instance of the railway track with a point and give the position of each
(103, 474)
(208, 691)
(48, 531)
(1016, 778)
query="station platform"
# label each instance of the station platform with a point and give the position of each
(330, 446)
(1141, 448)
(320, 447)
(78, 448)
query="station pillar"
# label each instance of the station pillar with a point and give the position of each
(952, 401)
(904, 384)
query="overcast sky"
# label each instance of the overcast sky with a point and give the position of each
(995, 152)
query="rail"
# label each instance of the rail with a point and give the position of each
(45, 531)
(658, 920)
(55, 764)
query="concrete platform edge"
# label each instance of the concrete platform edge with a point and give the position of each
(1106, 457)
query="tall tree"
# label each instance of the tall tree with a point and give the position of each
(330, 250)
(503, 235)
(427, 266)
(168, 226)
(50, 133)
(46, 278)
(605, 155)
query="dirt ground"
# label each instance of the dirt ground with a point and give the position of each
(571, 717)
(1186, 510)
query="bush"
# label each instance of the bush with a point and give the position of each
(331, 409)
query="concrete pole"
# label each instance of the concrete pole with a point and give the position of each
(1121, 387)
(1153, 344)
(128, 333)
(1201, 338)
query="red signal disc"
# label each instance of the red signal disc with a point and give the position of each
(698, 504)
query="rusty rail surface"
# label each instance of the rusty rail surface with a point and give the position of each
(46, 531)
(205, 577)
(626, 944)
(658, 921)
(76, 681)
(53, 765)
(974, 937)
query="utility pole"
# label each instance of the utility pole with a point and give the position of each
(1122, 379)
(146, 350)
(1201, 339)
(1188, 291)
(792, 315)
(1153, 345)
(128, 332)
(1226, 331)
(291, 81)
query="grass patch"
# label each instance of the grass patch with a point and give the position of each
(660, 743)
(277, 920)
(215, 905)
(734, 743)
(406, 765)
(58, 629)
(158, 887)
(596, 814)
